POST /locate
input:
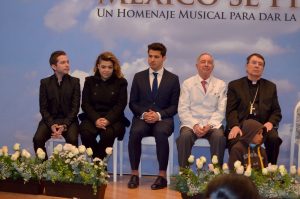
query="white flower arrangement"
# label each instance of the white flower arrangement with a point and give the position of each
(272, 182)
(74, 165)
(19, 165)
(67, 164)
(193, 183)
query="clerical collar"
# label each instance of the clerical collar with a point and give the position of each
(254, 83)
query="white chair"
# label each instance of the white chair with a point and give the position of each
(115, 158)
(151, 141)
(295, 141)
(202, 142)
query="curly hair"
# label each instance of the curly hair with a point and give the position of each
(109, 56)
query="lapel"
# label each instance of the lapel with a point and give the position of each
(163, 82)
(146, 83)
(54, 88)
(245, 87)
(210, 86)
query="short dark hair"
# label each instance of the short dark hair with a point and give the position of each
(227, 186)
(55, 55)
(158, 47)
(257, 55)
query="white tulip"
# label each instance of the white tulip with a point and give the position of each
(82, 149)
(58, 149)
(16, 147)
(199, 163)
(191, 159)
(225, 168)
(68, 147)
(214, 159)
(211, 167)
(15, 156)
(109, 150)
(203, 159)
(89, 151)
(293, 170)
(40, 153)
(272, 168)
(75, 151)
(5, 150)
(240, 170)
(25, 154)
(281, 168)
(216, 171)
(237, 164)
(265, 171)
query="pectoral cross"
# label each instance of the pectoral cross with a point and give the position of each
(251, 109)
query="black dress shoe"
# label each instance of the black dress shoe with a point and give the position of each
(133, 182)
(159, 183)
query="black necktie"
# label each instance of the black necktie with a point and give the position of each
(154, 84)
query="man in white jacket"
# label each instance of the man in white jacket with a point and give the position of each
(201, 111)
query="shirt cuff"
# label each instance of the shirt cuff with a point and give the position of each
(159, 116)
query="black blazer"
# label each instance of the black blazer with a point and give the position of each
(67, 106)
(166, 100)
(238, 98)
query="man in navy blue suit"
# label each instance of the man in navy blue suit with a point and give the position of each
(153, 101)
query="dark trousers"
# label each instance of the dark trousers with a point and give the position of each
(161, 130)
(89, 133)
(43, 133)
(272, 143)
(187, 138)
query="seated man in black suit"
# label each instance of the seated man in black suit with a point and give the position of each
(59, 104)
(253, 97)
(153, 100)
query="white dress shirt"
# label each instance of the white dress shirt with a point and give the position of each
(197, 107)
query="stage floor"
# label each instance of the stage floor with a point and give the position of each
(116, 190)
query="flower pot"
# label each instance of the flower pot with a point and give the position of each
(19, 186)
(70, 190)
(197, 196)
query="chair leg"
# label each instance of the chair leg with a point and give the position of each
(51, 146)
(140, 168)
(121, 157)
(115, 159)
(298, 155)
